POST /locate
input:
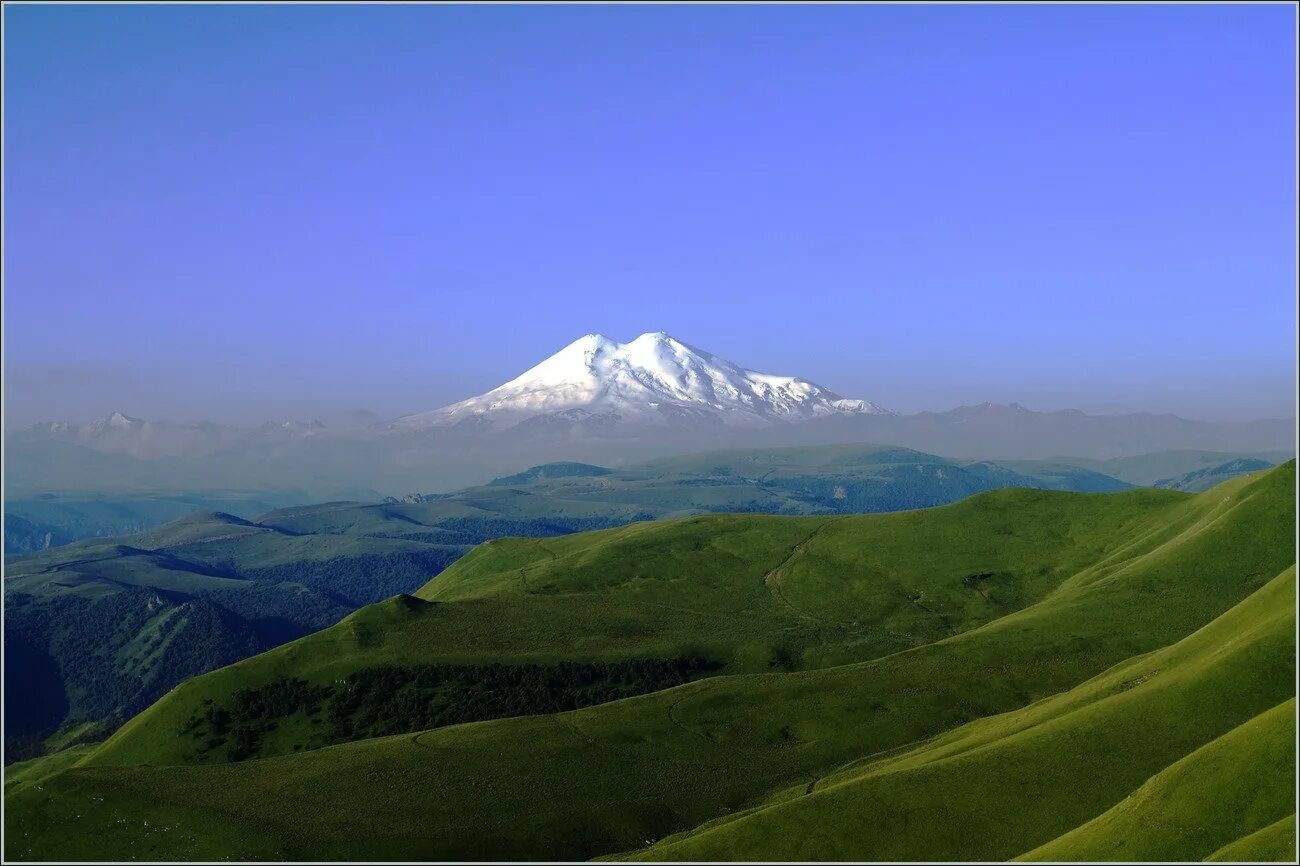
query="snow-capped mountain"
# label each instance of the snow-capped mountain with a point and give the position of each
(655, 380)
(116, 421)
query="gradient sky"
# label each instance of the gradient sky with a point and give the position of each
(242, 213)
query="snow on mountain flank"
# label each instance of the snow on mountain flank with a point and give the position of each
(654, 379)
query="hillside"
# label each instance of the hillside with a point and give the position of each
(211, 588)
(101, 628)
(1013, 666)
(1218, 698)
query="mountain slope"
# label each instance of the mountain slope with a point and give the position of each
(103, 627)
(655, 379)
(674, 588)
(1229, 788)
(1163, 630)
(1276, 842)
(286, 572)
(996, 785)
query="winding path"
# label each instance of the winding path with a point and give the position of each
(772, 580)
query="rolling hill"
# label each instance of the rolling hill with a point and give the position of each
(102, 627)
(1023, 673)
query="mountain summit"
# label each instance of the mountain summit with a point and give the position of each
(655, 379)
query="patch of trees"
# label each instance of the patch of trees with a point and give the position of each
(1001, 588)
(378, 701)
(253, 713)
(476, 530)
(428, 535)
(262, 604)
(64, 659)
(364, 578)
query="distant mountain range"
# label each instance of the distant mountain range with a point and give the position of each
(596, 401)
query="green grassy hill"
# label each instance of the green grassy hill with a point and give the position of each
(1276, 842)
(755, 593)
(105, 626)
(1227, 789)
(1021, 670)
(1002, 783)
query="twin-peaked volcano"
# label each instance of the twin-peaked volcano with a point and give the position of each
(654, 379)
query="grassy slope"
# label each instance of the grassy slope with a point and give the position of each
(751, 590)
(991, 789)
(298, 569)
(680, 758)
(1276, 842)
(1232, 787)
(23, 774)
(198, 551)
(524, 786)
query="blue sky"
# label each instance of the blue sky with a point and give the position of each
(243, 212)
